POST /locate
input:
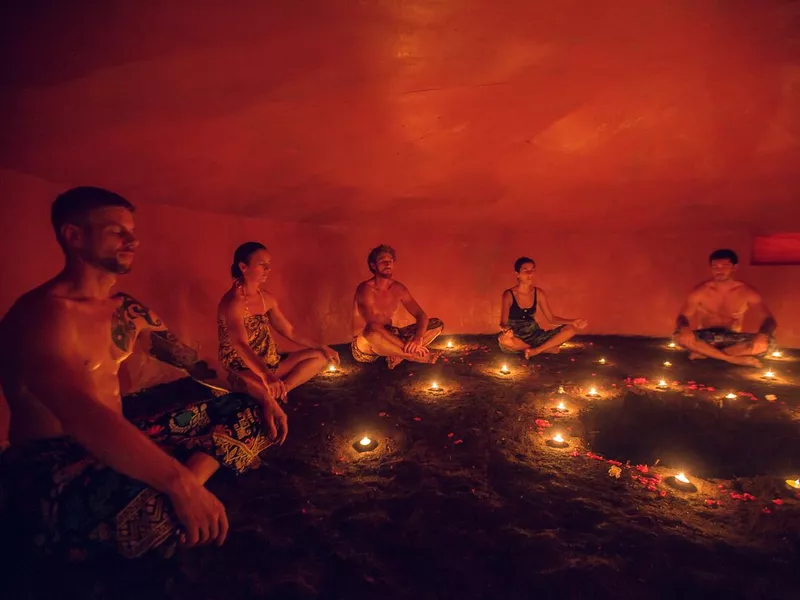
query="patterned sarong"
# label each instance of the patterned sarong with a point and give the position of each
(529, 331)
(68, 504)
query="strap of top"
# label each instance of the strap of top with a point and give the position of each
(247, 308)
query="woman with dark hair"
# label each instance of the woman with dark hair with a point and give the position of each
(246, 348)
(521, 331)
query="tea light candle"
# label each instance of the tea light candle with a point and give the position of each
(671, 344)
(777, 354)
(770, 374)
(667, 363)
(662, 384)
(435, 388)
(557, 441)
(681, 482)
(504, 370)
(731, 396)
(449, 343)
(593, 393)
(365, 444)
(602, 361)
(793, 483)
(332, 369)
(562, 407)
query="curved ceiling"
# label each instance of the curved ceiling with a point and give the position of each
(613, 113)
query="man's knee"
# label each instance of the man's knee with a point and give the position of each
(685, 339)
(759, 346)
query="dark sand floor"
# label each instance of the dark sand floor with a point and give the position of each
(463, 499)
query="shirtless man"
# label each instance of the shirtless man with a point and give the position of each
(376, 300)
(82, 479)
(719, 305)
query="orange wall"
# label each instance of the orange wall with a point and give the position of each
(622, 282)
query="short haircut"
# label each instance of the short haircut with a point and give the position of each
(722, 254)
(74, 205)
(522, 260)
(377, 251)
(242, 255)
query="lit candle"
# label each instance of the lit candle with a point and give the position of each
(769, 374)
(557, 438)
(332, 368)
(561, 389)
(777, 354)
(602, 361)
(681, 482)
(667, 363)
(731, 396)
(593, 392)
(435, 387)
(793, 483)
(562, 407)
(365, 444)
(557, 441)
(672, 344)
(682, 478)
(662, 384)
(504, 370)
(449, 343)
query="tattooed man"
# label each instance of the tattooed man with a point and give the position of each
(82, 479)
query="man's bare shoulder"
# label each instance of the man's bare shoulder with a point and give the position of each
(39, 319)
(702, 288)
(399, 288)
(364, 287)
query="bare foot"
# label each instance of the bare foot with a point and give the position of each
(696, 356)
(747, 361)
(530, 352)
(393, 361)
(433, 356)
(555, 350)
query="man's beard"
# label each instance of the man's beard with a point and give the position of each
(112, 265)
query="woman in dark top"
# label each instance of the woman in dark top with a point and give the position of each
(521, 331)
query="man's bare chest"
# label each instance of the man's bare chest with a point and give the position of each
(731, 304)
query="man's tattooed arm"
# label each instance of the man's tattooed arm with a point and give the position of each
(167, 348)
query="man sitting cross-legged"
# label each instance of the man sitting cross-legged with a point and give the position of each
(82, 480)
(375, 302)
(521, 331)
(719, 305)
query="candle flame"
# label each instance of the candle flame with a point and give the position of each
(365, 441)
(504, 369)
(777, 354)
(667, 363)
(797, 483)
(557, 438)
(769, 374)
(562, 406)
(449, 343)
(332, 368)
(672, 344)
(682, 478)
(731, 396)
(561, 389)
(593, 391)
(602, 361)
(662, 383)
(434, 386)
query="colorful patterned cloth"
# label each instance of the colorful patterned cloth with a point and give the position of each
(68, 504)
(404, 333)
(258, 337)
(723, 338)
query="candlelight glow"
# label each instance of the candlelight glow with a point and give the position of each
(332, 368)
(449, 343)
(795, 484)
(557, 438)
(682, 478)
(602, 361)
(434, 386)
(561, 406)
(662, 383)
(667, 363)
(769, 374)
(504, 369)
(672, 344)
(731, 396)
(365, 441)
(561, 389)
(593, 391)
(777, 354)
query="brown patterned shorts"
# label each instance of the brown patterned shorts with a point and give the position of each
(404, 333)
